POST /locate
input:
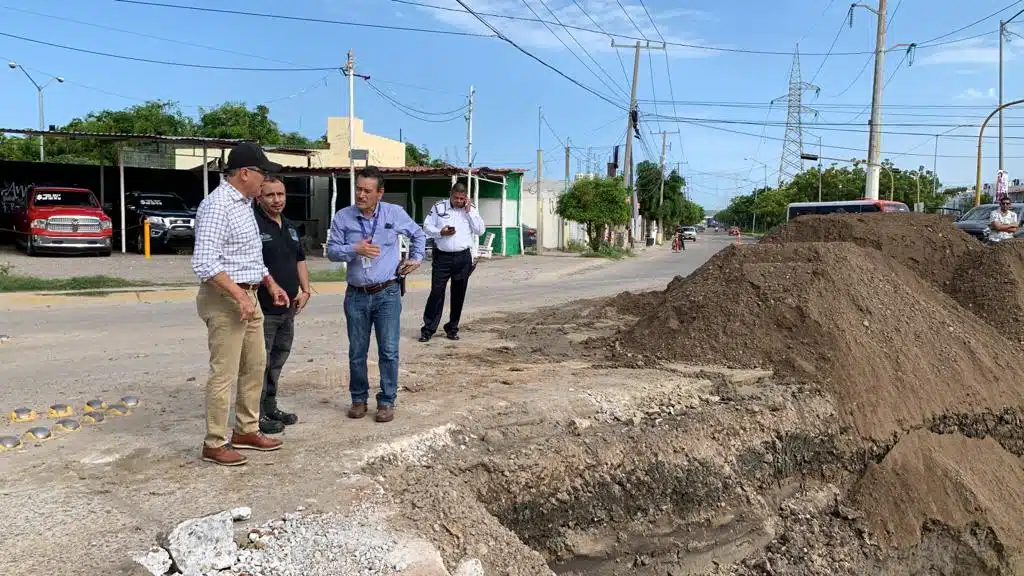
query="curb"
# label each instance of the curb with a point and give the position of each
(150, 295)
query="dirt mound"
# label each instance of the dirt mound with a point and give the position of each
(948, 484)
(892, 351)
(928, 244)
(991, 285)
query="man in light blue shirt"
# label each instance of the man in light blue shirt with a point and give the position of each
(365, 237)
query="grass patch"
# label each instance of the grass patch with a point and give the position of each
(327, 275)
(14, 283)
(610, 252)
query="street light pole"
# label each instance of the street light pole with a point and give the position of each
(753, 219)
(1002, 39)
(981, 137)
(39, 91)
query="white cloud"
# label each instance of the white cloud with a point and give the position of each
(976, 94)
(599, 15)
(970, 52)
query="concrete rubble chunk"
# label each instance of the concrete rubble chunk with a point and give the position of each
(203, 545)
(241, 513)
(470, 567)
(156, 560)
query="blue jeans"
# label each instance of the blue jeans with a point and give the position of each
(382, 312)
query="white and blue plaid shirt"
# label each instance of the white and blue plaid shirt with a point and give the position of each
(227, 238)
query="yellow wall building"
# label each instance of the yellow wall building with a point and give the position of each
(383, 152)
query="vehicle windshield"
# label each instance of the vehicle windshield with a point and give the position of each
(65, 198)
(979, 213)
(162, 202)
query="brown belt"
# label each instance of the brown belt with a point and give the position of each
(246, 286)
(373, 288)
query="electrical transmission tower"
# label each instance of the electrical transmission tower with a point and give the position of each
(793, 145)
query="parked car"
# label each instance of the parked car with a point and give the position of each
(975, 221)
(172, 222)
(58, 219)
(689, 233)
(529, 236)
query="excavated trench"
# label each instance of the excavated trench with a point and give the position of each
(723, 488)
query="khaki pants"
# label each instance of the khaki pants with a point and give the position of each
(237, 354)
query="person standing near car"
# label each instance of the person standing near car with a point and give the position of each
(365, 236)
(286, 261)
(1003, 222)
(454, 225)
(228, 259)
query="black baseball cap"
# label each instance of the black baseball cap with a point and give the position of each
(249, 155)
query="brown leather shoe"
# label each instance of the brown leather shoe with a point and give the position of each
(385, 414)
(254, 441)
(357, 410)
(223, 455)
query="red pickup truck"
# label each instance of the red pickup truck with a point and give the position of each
(69, 220)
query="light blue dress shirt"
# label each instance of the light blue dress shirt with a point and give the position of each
(392, 220)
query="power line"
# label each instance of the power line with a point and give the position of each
(305, 19)
(409, 111)
(458, 110)
(144, 35)
(973, 24)
(832, 147)
(542, 62)
(622, 64)
(763, 52)
(164, 62)
(829, 53)
(613, 87)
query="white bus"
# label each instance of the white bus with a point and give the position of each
(843, 206)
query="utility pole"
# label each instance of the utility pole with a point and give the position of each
(1003, 37)
(568, 149)
(631, 114)
(350, 71)
(935, 168)
(661, 194)
(540, 176)
(469, 151)
(875, 126)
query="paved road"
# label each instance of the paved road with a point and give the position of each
(61, 353)
(91, 496)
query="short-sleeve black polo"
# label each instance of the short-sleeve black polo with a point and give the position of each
(282, 253)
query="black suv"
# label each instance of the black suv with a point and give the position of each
(171, 221)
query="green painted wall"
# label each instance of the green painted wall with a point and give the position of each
(440, 187)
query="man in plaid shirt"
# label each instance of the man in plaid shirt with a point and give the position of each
(228, 259)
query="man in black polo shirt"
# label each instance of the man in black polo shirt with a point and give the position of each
(286, 261)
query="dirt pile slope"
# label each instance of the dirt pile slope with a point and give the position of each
(892, 351)
(928, 244)
(991, 285)
(948, 485)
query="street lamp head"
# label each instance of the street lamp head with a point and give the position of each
(12, 65)
(60, 79)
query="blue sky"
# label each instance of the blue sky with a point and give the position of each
(945, 86)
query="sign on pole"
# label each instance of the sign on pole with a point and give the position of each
(1002, 184)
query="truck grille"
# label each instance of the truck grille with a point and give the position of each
(72, 224)
(180, 222)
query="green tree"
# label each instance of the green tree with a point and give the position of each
(420, 156)
(596, 203)
(673, 209)
(229, 120)
(836, 183)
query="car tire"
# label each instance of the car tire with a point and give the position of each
(30, 249)
(140, 243)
